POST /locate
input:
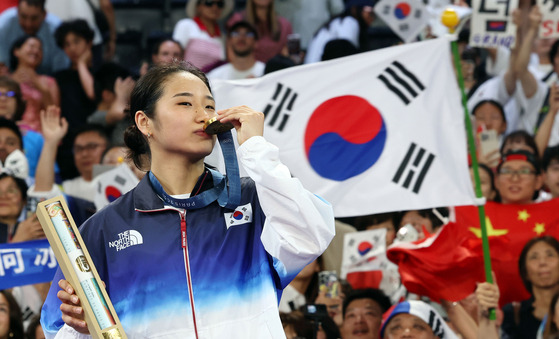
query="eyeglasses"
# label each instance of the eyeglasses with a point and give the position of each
(245, 34)
(86, 148)
(10, 192)
(523, 173)
(9, 94)
(210, 3)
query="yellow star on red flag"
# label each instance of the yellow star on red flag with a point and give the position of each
(523, 215)
(540, 228)
(490, 230)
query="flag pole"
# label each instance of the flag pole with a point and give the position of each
(450, 19)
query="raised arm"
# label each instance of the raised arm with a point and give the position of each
(122, 88)
(527, 79)
(299, 225)
(54, 129)
(545, 129)
(86, 78)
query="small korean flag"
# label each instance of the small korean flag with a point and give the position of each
(241, 215)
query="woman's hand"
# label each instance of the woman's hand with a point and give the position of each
(487, 296)
(72, 312)
(29, 229)
(53, 126)
(246, 120)
(333, 305)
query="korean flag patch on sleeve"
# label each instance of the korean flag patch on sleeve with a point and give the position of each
(241, 215)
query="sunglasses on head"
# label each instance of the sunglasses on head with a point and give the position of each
(9, 94)
(210, 3)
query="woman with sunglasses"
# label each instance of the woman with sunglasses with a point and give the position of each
(200, 35)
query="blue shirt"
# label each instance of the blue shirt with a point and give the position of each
(54, 59)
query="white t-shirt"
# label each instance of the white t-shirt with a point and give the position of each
(229, 72)
(75, 9)
(339, 28)
(203, 48)
(79, 188)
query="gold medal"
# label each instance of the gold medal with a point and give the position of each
(214, 126)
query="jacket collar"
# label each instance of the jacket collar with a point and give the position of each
(145, 198)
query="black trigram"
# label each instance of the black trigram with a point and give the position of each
(554, 2)
(401, 82)
(436, 325)
(413, 167)
(282, 97)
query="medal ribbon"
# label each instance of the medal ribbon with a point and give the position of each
(226, 190)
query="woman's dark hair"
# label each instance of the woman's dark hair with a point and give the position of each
(551, 241)
(304, 327)
(30, 333)
(273, 24)
(157, 45)
(362, 222)
(17, 44)
(494, 103)
(489, 172)
(16, 317)
(144, 97)
(11, 125)
(523, 137)
(553, 52)
(79, 27)
(20, 183)
(551, 330)
(13, 85)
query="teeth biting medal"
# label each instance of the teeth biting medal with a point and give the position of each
(214, 126)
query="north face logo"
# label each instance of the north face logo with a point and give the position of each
(127, 239)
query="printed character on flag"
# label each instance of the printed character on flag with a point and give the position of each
(550, 18)
(364, 131)
(491, 24)
(407, 18)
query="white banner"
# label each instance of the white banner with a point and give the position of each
(373, 132)
(491, 24)
(550, 18)
(407, 18)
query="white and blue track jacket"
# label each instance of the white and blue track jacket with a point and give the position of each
(228, 281)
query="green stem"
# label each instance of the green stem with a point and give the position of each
(475, 168)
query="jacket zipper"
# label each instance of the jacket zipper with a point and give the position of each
(187, 266)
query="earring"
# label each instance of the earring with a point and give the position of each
(149, 135)
(11, 335)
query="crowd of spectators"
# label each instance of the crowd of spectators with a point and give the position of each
(63, 103)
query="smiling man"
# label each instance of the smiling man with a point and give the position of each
(518, 177)
(30, 18)
(241, 41)
(362, 312)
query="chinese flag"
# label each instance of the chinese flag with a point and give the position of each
(448, 264)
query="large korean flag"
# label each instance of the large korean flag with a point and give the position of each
(374, 132)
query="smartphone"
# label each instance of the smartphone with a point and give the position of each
(315, 312)
(294, 44)
(488, 141)
(328, 281)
